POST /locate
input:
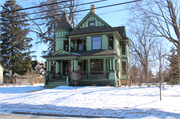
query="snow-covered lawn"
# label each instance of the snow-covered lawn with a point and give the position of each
(122, 102)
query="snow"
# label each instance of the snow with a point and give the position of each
(75, 53)
(95, 101)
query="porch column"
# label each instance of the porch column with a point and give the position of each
(74, 75)
(61, 68)
(104, 66)
(50, 66)
(112, 74)
(69, 44)
(110, 63)
(50, 70)
(47, 66)
(57, 67)
(113, 64)
(75, 65)
(72, 64)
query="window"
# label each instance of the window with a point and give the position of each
(92, 23)
(123, 68)
(80, 45)
(111, 43)
(96, 43)
(123, 49)
(96, 66)
(66, 45)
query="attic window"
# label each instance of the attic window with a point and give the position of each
(92, 23)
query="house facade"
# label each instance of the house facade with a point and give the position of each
(94, 53)
(38, 68)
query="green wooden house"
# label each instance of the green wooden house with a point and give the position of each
(94, 53)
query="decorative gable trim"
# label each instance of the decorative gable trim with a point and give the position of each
(87, 16)
(62, 52)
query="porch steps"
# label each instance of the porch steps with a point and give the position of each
(55, 83)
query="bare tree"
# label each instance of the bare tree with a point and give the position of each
(142, 45)
(164, 16)
(159, 55)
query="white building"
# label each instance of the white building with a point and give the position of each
(1, 74)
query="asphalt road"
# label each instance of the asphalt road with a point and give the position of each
(32, 117)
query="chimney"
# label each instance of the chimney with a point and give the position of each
(93, 9)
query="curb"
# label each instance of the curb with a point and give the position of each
(60, 115)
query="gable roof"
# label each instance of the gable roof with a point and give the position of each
(121, 31)
(64, 22)
(87, 16)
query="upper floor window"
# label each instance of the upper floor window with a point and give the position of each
(92, 23)
(111, 43)
(123, 49)
(96, 43)
(66, 45)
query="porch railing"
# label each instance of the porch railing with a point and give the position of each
(78, 48)
(92, 75)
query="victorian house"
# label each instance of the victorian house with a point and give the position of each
(94, 53)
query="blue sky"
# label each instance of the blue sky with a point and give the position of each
(114, 16)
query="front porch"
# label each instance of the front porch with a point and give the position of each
(99, 67)
(100, 72)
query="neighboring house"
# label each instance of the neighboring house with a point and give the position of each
(98, 51)
(1, 74)
(38, 68)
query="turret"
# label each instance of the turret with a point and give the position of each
(63, 27)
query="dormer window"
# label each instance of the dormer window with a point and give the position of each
(92, 23)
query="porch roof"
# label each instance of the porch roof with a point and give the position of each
(97, 52)
(84, 53)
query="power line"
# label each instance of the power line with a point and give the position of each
(9, 2)
(81, 10)
(36, 6)
(62, 8)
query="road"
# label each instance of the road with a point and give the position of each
(5, 116)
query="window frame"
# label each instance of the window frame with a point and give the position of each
(92, 42)
(123, 53)
(90, 23)
(100, 72)
(112, 43)
(67, 45)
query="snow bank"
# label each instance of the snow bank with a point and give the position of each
(120, 102)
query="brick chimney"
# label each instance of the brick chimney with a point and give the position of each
(93, 8)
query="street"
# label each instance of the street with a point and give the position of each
(5, 116)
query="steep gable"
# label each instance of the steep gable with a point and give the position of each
(91, 17)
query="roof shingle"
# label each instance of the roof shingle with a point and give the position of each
(64, 22)
(91, 30)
